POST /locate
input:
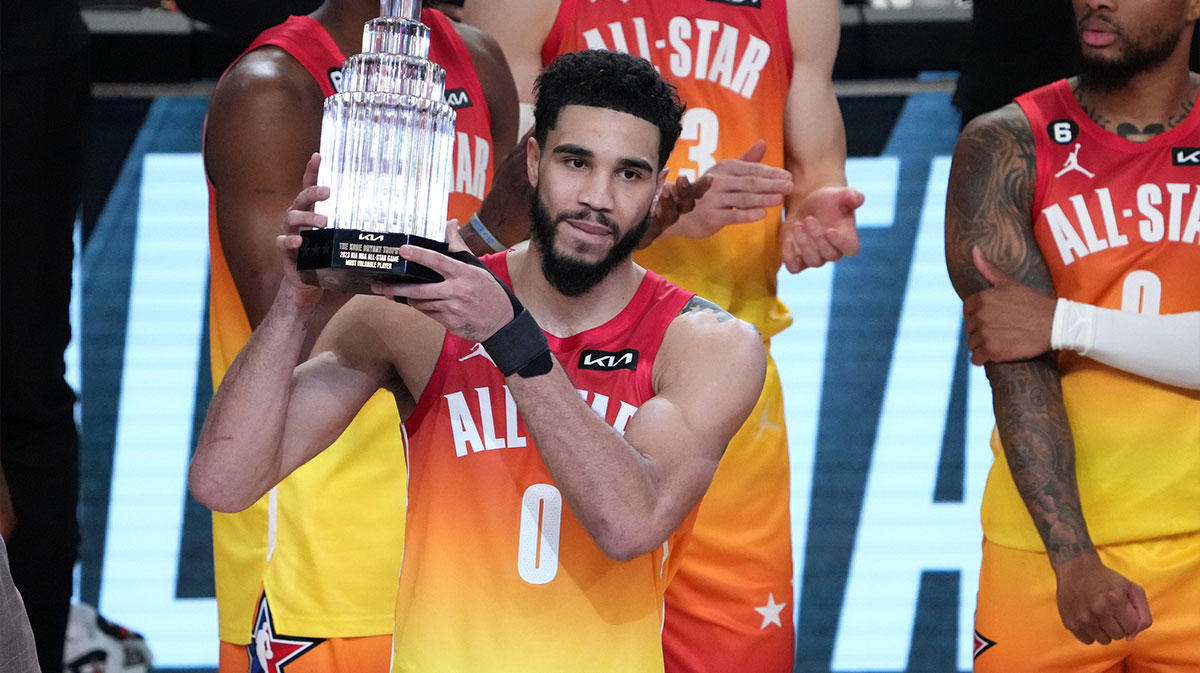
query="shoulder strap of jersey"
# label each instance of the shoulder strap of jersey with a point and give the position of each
(779, 8)
(1041, 107)
(309, 43)
(447, 49)
(562, 23)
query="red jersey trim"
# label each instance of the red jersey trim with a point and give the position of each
(1056, 98)
(785, 38)
(439, 24)
(296, 36)
(566, 11)
(1030, 105)
(425, 404)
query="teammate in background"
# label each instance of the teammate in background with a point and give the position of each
(1091, 514)
(748, 72)
(308, 573)
(498, 574)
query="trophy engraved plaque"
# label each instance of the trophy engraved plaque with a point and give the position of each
(386, 143)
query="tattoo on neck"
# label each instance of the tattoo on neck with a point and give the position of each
(1129, 130)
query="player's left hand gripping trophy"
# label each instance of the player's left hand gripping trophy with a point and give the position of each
(386, 144)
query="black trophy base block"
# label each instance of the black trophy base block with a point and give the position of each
(349, 260)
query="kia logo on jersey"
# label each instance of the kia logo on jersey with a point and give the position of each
(1185, 156)
(458, 99)
(606, 361)
(756, 4)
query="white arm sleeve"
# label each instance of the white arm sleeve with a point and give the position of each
(1165, 348)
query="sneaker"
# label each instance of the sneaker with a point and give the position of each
(96, 645)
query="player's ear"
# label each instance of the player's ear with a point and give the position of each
(533, 157)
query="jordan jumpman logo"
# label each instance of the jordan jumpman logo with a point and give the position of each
(1072, 164)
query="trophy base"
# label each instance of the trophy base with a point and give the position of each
(349, 260)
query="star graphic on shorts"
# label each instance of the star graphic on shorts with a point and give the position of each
(270, 652)
(770, 612)
(982, 644)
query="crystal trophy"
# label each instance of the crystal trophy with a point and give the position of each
(386, 143)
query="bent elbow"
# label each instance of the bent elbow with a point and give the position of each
(208, 491)
(626, 545)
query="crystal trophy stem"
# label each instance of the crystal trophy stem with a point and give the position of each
(386, 152)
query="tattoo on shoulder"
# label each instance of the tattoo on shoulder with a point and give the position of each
(990, 201)
(698, 304)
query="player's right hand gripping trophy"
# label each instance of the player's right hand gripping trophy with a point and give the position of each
(386, 143)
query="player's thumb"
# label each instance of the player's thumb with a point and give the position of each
(990, 272)
(756, 152)
(1141, 607)
(852, 199)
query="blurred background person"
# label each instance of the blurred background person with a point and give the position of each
(45, 100)
(315, 562)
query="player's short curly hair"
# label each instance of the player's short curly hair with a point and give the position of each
(611, 80)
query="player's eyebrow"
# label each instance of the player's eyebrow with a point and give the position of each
(585, 153)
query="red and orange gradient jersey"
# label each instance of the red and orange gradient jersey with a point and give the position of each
(498, 573)
(1118, 223)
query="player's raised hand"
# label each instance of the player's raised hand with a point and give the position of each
(824, 231)
(469, 303)
(742, 189)
(676, 200)
(300, 217)
(1097, 604)
(1008, 321)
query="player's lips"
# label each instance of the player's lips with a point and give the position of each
(1095, 32)
(589, 227)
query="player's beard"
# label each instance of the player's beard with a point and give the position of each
(1103, 74)
(569, 275)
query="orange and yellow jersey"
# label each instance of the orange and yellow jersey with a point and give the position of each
(1118, 223)
(498, 573)
(326, 578)
(732, 64)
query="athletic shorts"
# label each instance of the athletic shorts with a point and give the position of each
(1018, 629)
(272, 652)
(728, 608)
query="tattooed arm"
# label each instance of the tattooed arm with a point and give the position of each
(988, 207)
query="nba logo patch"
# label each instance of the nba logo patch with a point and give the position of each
(271, 652)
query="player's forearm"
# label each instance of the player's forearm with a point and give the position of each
(815, 145)
(610, 486)
(1164, 348)
(238, 457)
(1033, 427)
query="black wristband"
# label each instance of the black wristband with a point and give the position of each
(520, 347)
